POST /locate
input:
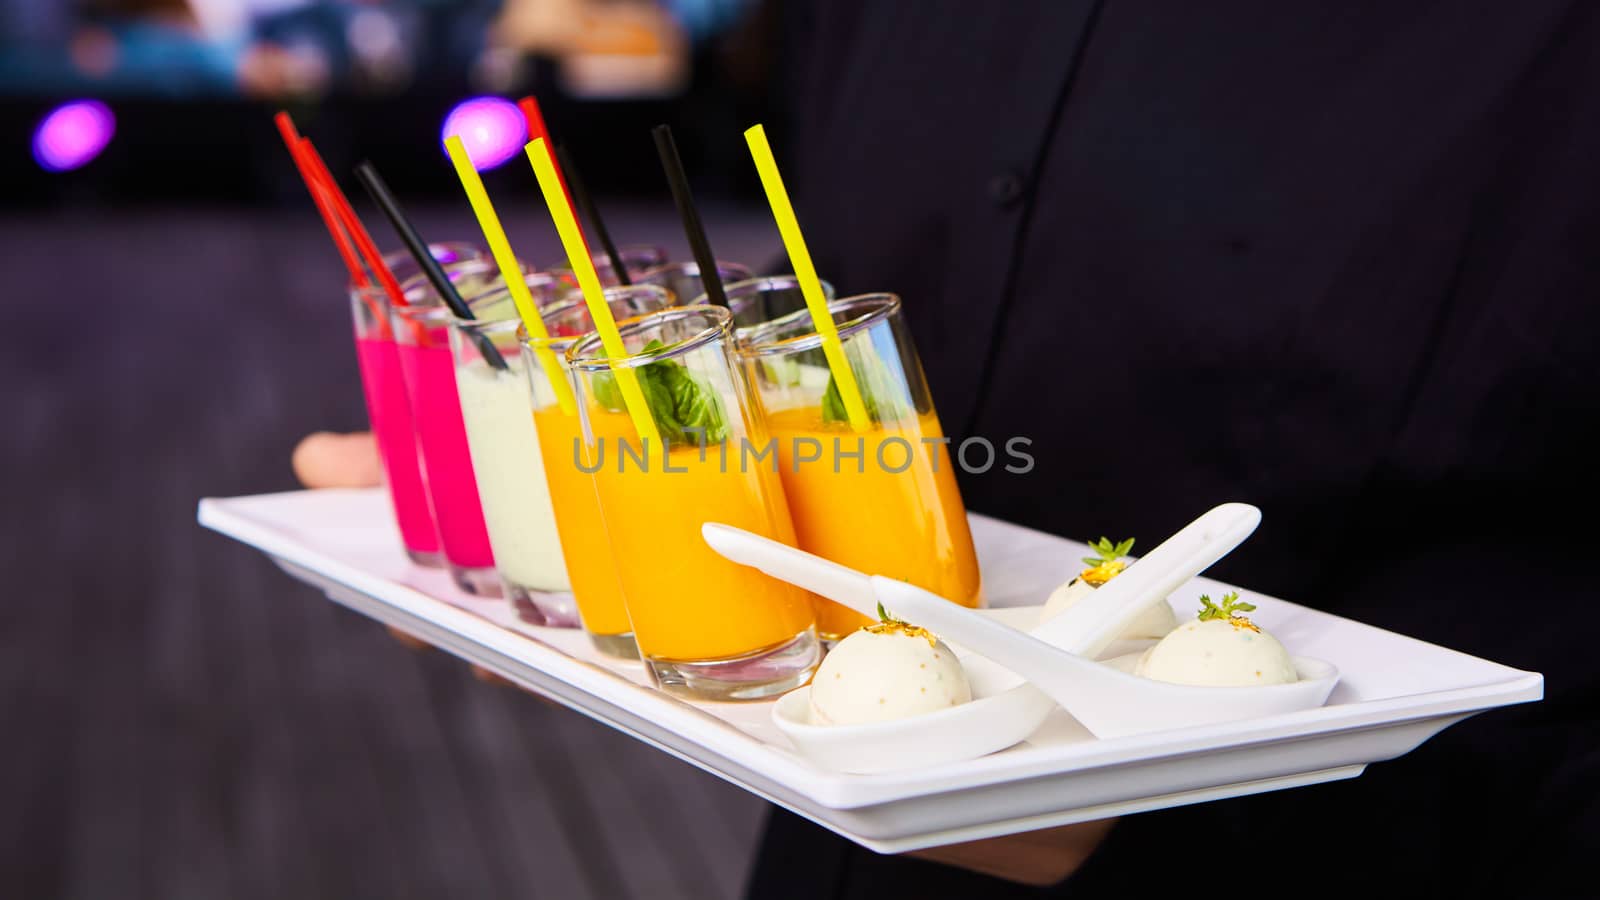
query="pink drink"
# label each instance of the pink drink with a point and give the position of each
(389, 411)
(436, 418)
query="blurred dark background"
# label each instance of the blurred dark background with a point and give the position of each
(192, 84)
(182, 719)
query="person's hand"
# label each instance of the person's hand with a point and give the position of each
(1037, 858)
(325, 459)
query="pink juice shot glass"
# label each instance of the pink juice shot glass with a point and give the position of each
(422, 339)
(389, 412)
(389, 407)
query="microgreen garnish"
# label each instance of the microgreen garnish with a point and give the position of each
(1108, 551)
(1109, 564)
(1229, 610)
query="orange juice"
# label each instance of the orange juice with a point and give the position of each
(579, 525)
(686, 602)
(908, 524)
(590, 566)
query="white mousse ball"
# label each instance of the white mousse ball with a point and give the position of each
(1152, 624)
(1218, 653)
(875, 677)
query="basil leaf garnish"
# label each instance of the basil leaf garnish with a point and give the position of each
(687, 409)
(881, 392)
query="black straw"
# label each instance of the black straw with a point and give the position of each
(380, 193)
(692, 227)
(580, 195)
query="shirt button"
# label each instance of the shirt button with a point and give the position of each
(1006, 188)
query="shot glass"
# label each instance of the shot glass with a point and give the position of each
(421, 333)
(683, 278)
(589, 563)
(706, 628)
(496, 409)
(389, 408)
(880, 499)
(757, 300)
(636, 258)
(389, 413)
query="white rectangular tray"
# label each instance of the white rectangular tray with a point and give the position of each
(1395, 692)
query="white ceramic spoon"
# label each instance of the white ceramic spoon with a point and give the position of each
(1108, 702)
(1057, 657)
(822, 577)
(1089, 626)
(1004, 709)
(1111, 703)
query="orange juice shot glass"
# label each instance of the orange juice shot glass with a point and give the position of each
(706, 628)
(591, 569)
(883, 500)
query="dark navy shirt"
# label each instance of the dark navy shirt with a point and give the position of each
(1338, 260)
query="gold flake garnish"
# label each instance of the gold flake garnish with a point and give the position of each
(1109, 564)
(890, 625)
(1102, 573)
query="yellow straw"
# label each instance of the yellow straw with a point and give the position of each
(593, 295)
(507, 261)
(806, 274)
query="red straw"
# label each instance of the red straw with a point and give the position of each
(353, 224)
(323, 198)
(330, 218)
(322, 194)
(536, 129)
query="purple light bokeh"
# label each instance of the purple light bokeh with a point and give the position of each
(73, 134)
(492, 130)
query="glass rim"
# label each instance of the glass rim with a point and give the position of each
(500, 295)
(759, 283)
(692, 267)
(570, 301)
(371, 289)
(422, 286)
(435, 313)
(486, 326)
(653, 250)
(573, 294)
(464, 250)
(878, 306)
(720, 327)
(425, 313)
